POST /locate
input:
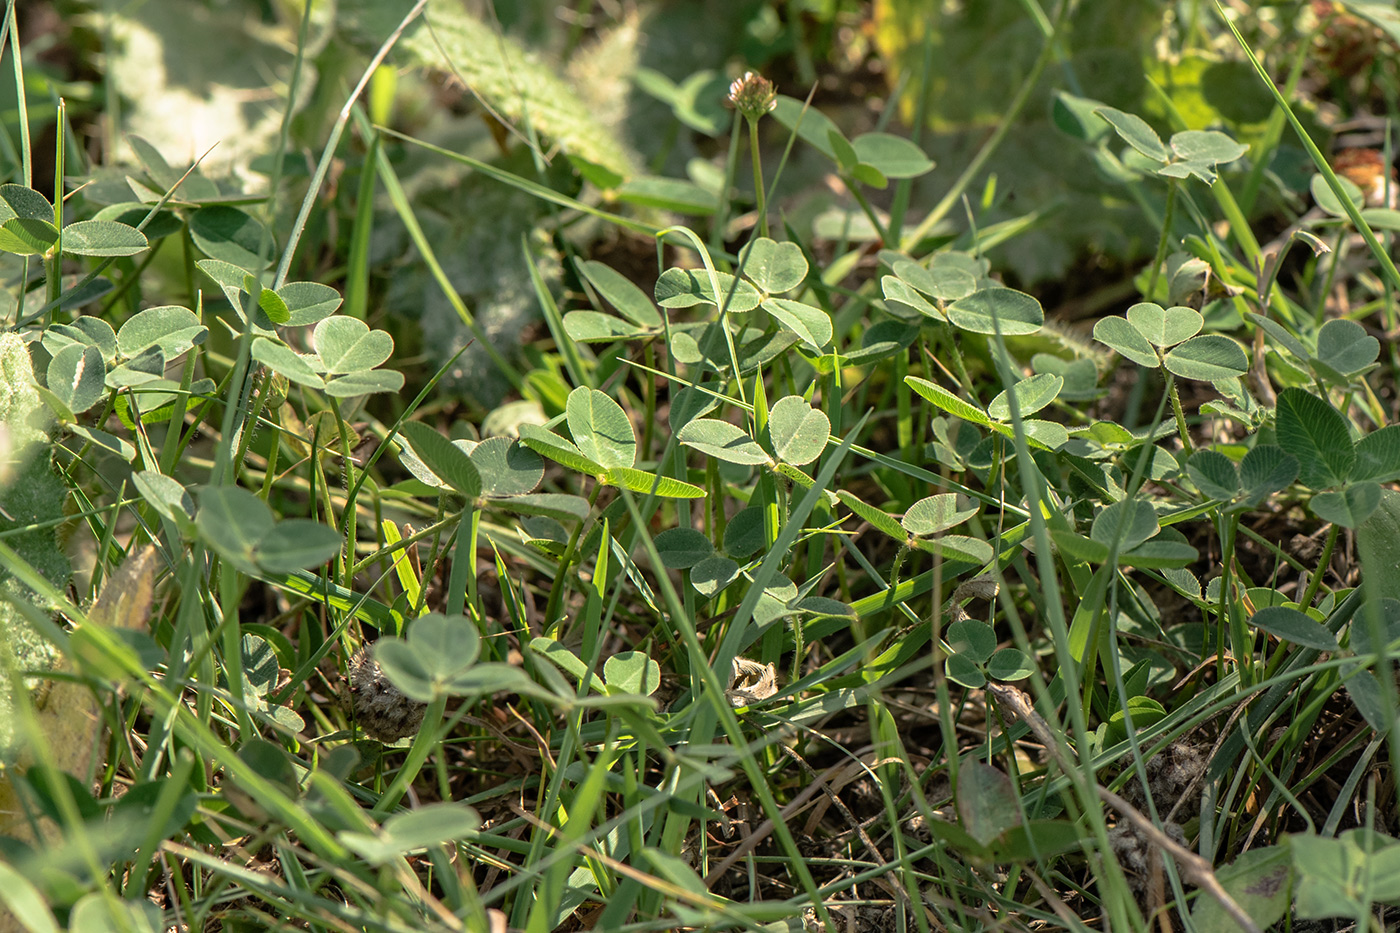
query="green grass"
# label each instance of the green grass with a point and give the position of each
(806, 576)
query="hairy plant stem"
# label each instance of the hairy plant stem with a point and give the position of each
(418, 753)
(1240, 636)
(556, 592)
(760, 198)
(1316, 582)
(853, 187)
(1181, 429)
(1169, 214)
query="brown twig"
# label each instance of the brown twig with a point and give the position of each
(1193, 868)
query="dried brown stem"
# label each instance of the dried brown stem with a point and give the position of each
(1193, 868)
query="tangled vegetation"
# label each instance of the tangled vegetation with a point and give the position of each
(763, 466)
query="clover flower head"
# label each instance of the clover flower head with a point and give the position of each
(753, 95)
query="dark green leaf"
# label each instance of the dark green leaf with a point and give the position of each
(1348, 507)
(1344, 350)
(798, 431)
(683, 548)
(25, 203)
(1378, 456)
(772, 266)
(347, 345)
(232, 521)
(991, 309)
(973, 639)
(77, 375)
(1214, 474)
(1010, 664)
(506, 467)
(1316, 434)
(811, 325)
(234, 236)
(1136, 133)
(1075, 117)
(693, 402)
(744, 534)
(1032, 394)
(601, 428)
(713, 574)
(132, 213)
(723, 441)
(1119, 334)
(893, 156)
(885, 339)
(553, 505)
(1164, 327)
(685, 288)
(1207, 358)
(1370, 699)
(1128, 523)
(962, 671)
(620, 292)
(936, 513)
(102, 238)
(297, 543)
(1294, 626)
(447, 461)
(1266, 469)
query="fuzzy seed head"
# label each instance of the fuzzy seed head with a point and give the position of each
(382, 711)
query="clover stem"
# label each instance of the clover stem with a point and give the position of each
(1175, 397)
(1316, 582)
(853, 186)
(1167, 218)
(760, 203)
(423, 743)
(552, 619)
(722, 207)
(1242, 643)
(461, 585)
